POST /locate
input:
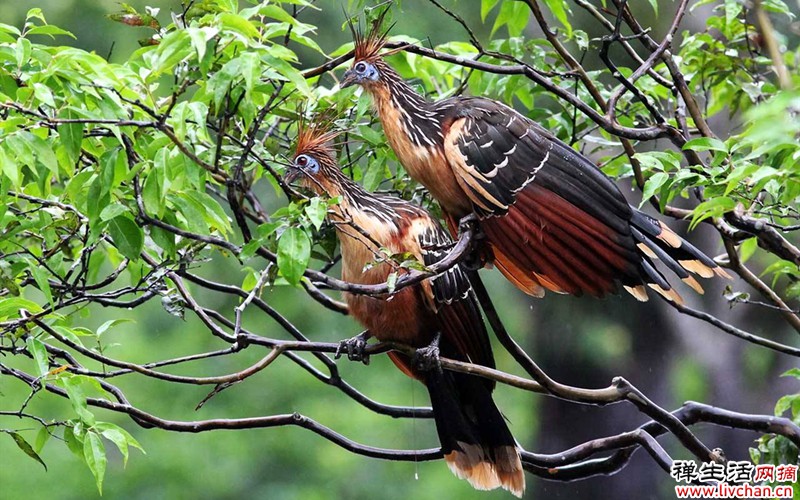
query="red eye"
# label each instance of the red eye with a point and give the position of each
(302, 160)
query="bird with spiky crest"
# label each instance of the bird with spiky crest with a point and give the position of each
(551, 219)
(441, 312)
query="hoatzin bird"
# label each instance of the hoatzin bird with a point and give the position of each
(441, 311)
(550, 217)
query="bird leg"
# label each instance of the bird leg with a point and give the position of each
(427, 358)
(354, 347)
(474, 258)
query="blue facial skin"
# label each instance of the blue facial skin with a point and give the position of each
(362, 72)
(307, 164)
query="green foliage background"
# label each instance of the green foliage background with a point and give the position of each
(579, 341)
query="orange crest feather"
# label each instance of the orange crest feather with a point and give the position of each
(316, 136)
(367, 46)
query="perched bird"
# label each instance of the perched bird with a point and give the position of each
(551, 219)
(475, 439)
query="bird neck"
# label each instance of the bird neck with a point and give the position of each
(352, 196)
(403, 110)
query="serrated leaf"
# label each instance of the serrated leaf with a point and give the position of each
(94, 451)
(26, 448)
(294, 250)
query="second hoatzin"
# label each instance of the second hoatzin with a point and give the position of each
(551, 218)
(475, 439)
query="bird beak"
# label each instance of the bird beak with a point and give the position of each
(291, 175)
(350, 78)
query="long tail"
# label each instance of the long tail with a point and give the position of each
(476, 441)
(657, 241)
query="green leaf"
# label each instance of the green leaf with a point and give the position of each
(785, 403)
(69, 334)
(163, 238)
(110, 324)
(214, 214)
(127, 236)
(714, 207)
(652, 185)
(12, 305)
(42, 437)
(112, 211)
(116, 437)
(316, 211)
(95, 453)
(74, 440)
(74, 387)
(192, 211)
(71, 135)
(38, 350)
(26, 448)
(40, 275)
(705, 144)
(747, 249)
(290, 72)
(44, 153)
(294, 250)
(49, 30)
(239, 25)
(486, 7)
(153, 193)
(793, 372)
(129, 439)
(560, 9)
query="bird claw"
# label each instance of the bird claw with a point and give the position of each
(473, 260)
(427, 358)
(467, 222)
(354, 348)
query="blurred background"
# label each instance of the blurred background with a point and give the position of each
(582, 342)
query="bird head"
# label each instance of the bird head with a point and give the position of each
(314, 162)
(368, 64)
(363, 72)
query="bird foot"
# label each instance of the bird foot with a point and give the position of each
(469, 221)
(474, 258)
(354, 348)
(427, 358)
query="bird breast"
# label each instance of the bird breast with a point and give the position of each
(401, 317)
(425, 163)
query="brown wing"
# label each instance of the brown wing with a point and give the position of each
(551, 216)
